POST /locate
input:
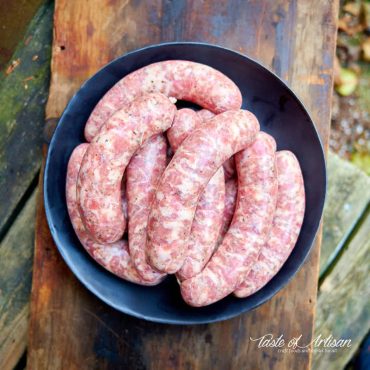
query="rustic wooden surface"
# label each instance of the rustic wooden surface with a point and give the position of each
(14, 19)
(343, 300)
(16, 252)
(23, 91)
(347, 198)
(70, 328)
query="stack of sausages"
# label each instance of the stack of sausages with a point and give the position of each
(200, 194)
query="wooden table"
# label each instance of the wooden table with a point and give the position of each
(69, 327)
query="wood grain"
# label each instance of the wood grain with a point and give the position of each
(14, 20)
(16, 252)
(347, 198)
(69, 327)
(343, 301)
(23, 92)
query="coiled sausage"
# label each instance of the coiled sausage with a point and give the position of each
(209, 212)
(114, 257)
(180, 79)
(184, 180)
(257, 190)
(286, 225)
(143, 173)
(99, 181)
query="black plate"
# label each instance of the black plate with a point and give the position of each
(280, 113)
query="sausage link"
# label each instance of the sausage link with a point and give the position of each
(205, 228)
(257, 190)
(231, 191)
(205, 114)
(114, 257)
(99, 180)
(185, 122)
(229, 165)
(208, 215)
(184, 180)
(181, 79)
(143, 173)
(286, 225)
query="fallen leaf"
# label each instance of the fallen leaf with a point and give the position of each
(343, 24)
(349, 82)
(365, 15)
(365, 48)
(352, 8)
(350, 24)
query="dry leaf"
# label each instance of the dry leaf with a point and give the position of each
(349, 82)
(343, 24)
(365, 15)
(365, 48)
(353, 8)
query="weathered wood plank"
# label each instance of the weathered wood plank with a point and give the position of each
(16, 255)
(343, 309)
(70, 327)
(23, 95)
(14, 20)
(347, 198)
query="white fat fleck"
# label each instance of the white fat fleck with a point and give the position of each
(186, 186)
(166, 211)
(259, 194)
(172, 237)
(113, 175)
(214, 277)
(97, 177)
(109, 105)
(108, 212)
(159, 195)
(186, 214)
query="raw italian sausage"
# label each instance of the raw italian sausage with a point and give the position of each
(114, 257)
(286, 225)
(181, 79)
(184, 180)
(205, 114)
(102, 168)
(209, 212)
(231, 191)
(185, 122)
(229, 165)
(257, 190)
(205, 228)
(143, 173)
